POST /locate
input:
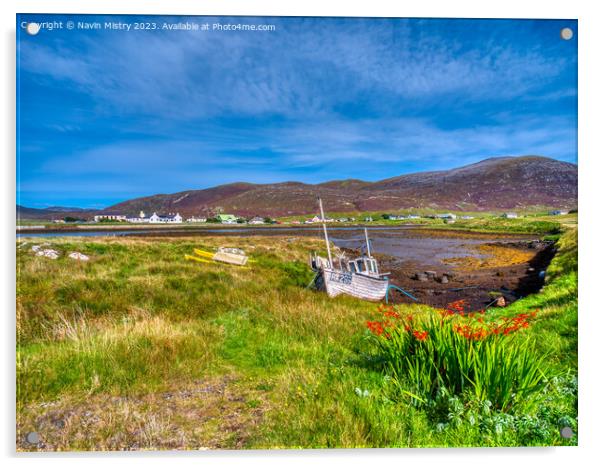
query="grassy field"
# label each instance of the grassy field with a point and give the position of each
(140, 349)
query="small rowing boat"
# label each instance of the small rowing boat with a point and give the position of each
(232, 256)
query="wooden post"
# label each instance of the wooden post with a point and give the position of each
(325, 233)
(367, 242)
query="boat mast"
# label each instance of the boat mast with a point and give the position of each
(367, 242)
(325, 233)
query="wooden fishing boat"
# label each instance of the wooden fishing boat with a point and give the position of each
(359, 277)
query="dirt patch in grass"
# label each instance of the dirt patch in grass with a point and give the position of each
(210, 414)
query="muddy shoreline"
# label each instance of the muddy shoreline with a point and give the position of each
(478, 286)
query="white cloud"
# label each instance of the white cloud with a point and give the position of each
(306, 67)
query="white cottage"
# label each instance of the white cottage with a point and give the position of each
(113, 217)
(177, 218)
(196, 219)
(447, 216)
(141, 218)
(316, 219)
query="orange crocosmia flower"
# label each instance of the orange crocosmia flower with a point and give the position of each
(375, 327)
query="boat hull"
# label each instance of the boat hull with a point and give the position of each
(360, 286)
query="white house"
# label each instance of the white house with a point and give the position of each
(558, 212)
(177, 218)
(413, 217)
(467, 217)
(196, 219)
(510, 215)
(367, 219)
(257, 221)
(137, 219)
(448, 216)
(115, 217)
(316, 219)
(142, 218)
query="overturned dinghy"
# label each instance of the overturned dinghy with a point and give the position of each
(359, 277)
(233, 256)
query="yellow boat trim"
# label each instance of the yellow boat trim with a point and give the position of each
(205, 261)
(202, 253)
(198, 259)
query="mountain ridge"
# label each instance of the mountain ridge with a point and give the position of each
(490, 184)
(495, 183)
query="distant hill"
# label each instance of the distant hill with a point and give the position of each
(495, 183)
(65, 209)
(498, 183)
(51, 213)
(492, 184)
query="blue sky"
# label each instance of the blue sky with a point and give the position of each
(104, 116)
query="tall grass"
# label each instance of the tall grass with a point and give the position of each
(444, 353)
